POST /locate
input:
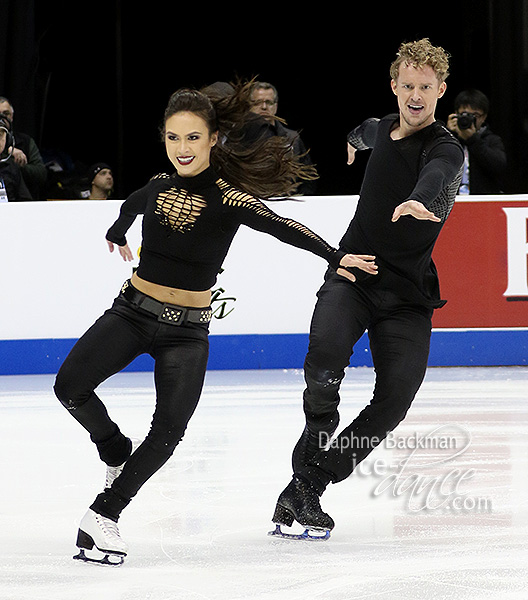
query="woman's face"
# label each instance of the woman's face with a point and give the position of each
(188, 143)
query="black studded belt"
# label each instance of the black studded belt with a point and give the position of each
(166, 313)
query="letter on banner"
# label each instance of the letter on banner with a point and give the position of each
(517, 239)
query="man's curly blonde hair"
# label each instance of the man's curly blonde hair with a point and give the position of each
(420, 54)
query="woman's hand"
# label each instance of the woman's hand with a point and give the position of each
(124, 251)
(365, 262)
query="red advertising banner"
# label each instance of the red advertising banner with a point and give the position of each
(482, 260)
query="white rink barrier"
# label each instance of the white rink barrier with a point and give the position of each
(58, 277)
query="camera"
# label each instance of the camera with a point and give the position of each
(466, 120)
(5, 125)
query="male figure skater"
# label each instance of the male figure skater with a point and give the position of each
(408, 190)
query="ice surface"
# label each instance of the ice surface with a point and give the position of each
(439, 522)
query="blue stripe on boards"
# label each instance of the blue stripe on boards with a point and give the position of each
(464, 347)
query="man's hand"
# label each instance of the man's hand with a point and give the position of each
(19, 157)
(365, 262)
(415, 209)
(351, 154)
(452, 123)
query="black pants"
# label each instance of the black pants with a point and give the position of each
(118, 337)
(399, 335)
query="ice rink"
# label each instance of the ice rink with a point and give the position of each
(438, 511)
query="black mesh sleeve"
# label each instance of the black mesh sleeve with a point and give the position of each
(439, 179)
(363, 137)
(255, 214)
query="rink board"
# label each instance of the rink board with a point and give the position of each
(59, 278)
(286, 351)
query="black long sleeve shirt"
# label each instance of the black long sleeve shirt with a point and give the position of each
(425, 166)
(190, 222)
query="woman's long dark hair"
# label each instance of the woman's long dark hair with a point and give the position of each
(263, 166)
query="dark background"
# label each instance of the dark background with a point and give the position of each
(90, 80)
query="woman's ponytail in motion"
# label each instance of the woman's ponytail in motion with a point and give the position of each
(261, 165)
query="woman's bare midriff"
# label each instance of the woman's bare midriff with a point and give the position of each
(170, 295)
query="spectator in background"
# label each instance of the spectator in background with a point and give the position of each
(485, 156)
(26, 155)
(12, 186)
(264, 102)
(101, 181)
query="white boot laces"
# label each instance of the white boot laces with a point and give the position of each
(107, 526)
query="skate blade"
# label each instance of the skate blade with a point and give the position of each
(309, 534)
(101, 558)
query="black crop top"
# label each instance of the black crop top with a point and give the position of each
(189, 224)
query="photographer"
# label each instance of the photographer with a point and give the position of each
(26, 154)
(12, 186)
(485, 156)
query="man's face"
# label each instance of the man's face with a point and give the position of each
(104, 180)
(418, 91)
(263, 103)
(7, 110)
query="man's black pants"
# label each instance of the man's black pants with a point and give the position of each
(399, 335)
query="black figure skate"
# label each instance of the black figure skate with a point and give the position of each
(300, 502)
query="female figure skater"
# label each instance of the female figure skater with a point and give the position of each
(189, 221)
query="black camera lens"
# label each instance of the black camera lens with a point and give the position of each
(466, 120)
